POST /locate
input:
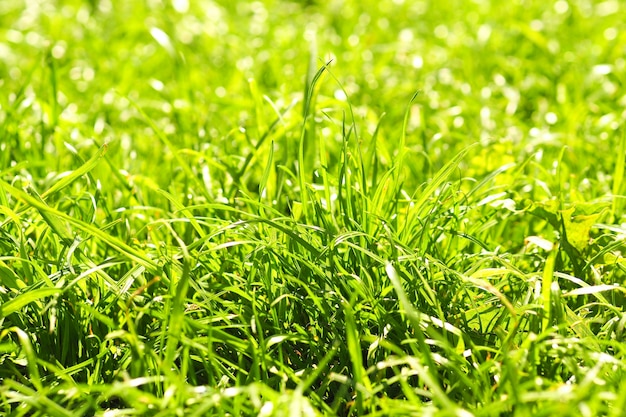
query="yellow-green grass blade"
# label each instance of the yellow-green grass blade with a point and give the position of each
(73, 175)
(124, 249)
(26, 298)
(546, 287)
(618, 176)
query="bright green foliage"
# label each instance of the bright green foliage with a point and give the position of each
(300, 208)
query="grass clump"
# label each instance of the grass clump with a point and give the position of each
(245, 208)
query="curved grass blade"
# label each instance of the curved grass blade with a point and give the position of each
(306, 137)
(124, 249)
(22, 300)
(433, 185)
(85, 168)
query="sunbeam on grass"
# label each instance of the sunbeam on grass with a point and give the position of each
(307, 208)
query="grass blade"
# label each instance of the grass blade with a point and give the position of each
(85, 168)
(24, 299)
(123, 249)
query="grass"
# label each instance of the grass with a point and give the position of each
(312, 208)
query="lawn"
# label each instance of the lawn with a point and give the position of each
(306, 208)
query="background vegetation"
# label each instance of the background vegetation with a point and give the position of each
(312, 208)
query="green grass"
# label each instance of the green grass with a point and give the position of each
(312, 208)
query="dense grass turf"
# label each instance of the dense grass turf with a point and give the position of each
(312, 208)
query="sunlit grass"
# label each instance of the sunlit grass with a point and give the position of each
(312, 208)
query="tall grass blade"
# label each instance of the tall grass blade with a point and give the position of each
(546, 287)
(85, 168)
(307, 135)
(618, 177)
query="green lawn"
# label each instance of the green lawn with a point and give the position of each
(302, 208)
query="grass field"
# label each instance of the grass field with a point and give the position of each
(302, 208)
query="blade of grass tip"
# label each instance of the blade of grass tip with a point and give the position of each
(275, 187)
(54, 111)
(304, 137)
(124, 249)
(546, 287)
(401, 147)
(310, 74)
(85, 168)
(373, 158)
(355, 132)
(270, 130)
(264, 190)
(618, 176)
(384, 196)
